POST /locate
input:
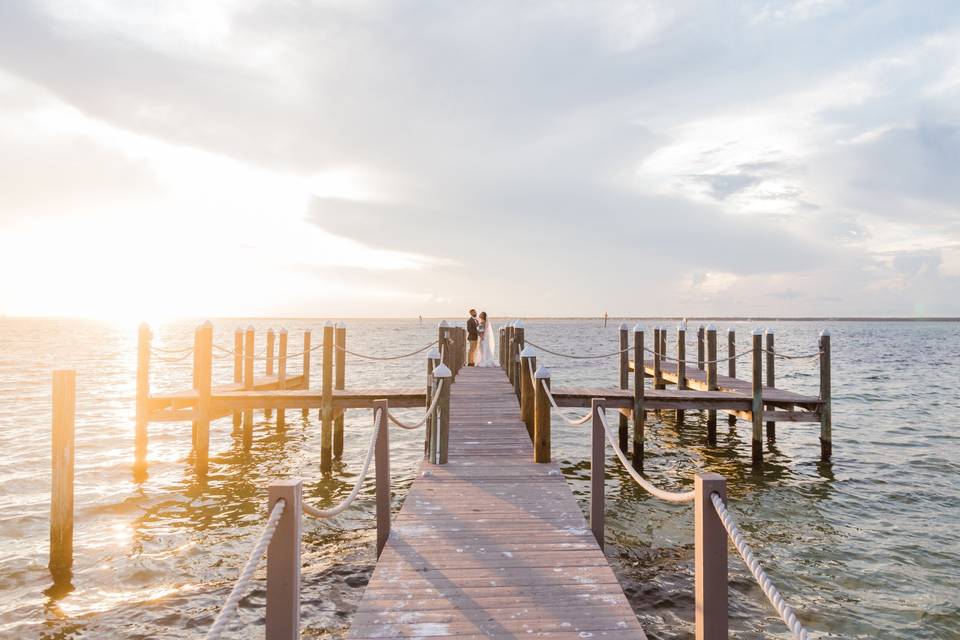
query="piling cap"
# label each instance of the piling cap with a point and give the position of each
(711, 327)
(528, 352)
(623, 326)
(682, 326)
(542, 373)
(250, 327)
(283, 330)
(637, 328)
(518, 324)
(238, 330)
(206, 324)
(825, 332)
(433, 354)
(442, 371)
(758, 331)
(770, 330)
(327, 324)
(443, 324)
(731, 330)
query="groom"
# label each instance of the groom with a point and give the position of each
(472, 338)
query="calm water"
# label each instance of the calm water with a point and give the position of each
(866, 547)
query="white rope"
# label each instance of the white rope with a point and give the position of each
(243, 582)
(173, 351)
(430, 410)
(576, 357)
(697, 362)
(669, 496)
(329, 513)
(175, 359)
(572, 422)
(405, 355)
(786, 612)
(262, 355)
(806, 356)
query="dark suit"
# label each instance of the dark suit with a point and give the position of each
(472, 341)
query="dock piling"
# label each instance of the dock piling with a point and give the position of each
(624, 363)
(711, 365)
(143, 396)
(731, 366)
(657, 358)
(326, 411)
(639, 413)
(433, 361)
(518, 345)
(268, 367)
(62, 468)
(756, 411)
(710, 563)
(700, 347)
(283, 562)
(598, 447)
(441, 443)
(382, 465)
(528, 364)
(237, 371)
(307, 354)
(541, 416)
(339, 383)
(249, 345)
(681, 365)
(282, 375)
(771, 425)
(203, 369)
(826, 417)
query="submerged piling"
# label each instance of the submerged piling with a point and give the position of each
(62, 468)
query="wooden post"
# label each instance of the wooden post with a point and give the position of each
(663, 350)
(143, 400)
(61, 462)
(541, 416)
(196, 382)
(283, 561)
(756, 409)
(711, 365)
(237, 371)
(500, 345)
(731, 365)
(433, 361)
(326, 411)
(771, 425)
(248, 349)
(657, 358)
(268, 368)
(528, 364)
(681, 365)
(382, 464)
(282, 376)
(203, 359)
(639, 413)
(598, 446)
(509, 352)
(443, 344)
(307, 356)
(339, 383)
(624, 363)
(441, 443)
(710, 552)
(518, 347)
(826, 418)
(700, 347)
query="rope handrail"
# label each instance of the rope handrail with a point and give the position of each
(696, 363)
(400, 357)
(262, 354)
(573, 423)
(785, 611)
(574, 356)
(174, 351)
(176, 358)
(333, 511)
(243, 581)
(426, 416)
(786, 356)
(669, 496)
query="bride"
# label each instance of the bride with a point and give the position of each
(488, 346)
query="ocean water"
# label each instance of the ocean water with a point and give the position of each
(867, 546)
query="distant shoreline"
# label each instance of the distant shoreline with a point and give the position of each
(599, 318)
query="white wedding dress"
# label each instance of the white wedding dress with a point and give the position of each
(488, 347)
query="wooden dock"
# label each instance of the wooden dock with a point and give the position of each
(492, 544)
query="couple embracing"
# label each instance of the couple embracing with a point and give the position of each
(481, 341)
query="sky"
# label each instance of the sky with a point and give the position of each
(352, 158)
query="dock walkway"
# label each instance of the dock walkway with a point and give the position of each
(492, 544)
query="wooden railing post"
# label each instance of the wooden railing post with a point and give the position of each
(771, 425)
(701, 347)
(501, 343)
(657, 358)
(826, 418)
(509, 352)
(517, 348)
(307, 356)
(541, 416)
(382, 464)
(598, 447)
(237, 371)
(339, 383)
(248, 351)
(711, 365)
(283, 562)
(639, 413)
(731, 366)
(143, 400)
(282, 375)
(326, 411)
(528, 364)
(681, 365)
(663, 350)
(756, 408)
(624, 364)
(268, 365)
(443, 344)
(204, 372)
(433, 361)
(62, 466)
(710, 551)
(441, 442)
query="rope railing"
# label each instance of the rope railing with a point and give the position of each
(574, 356)
(242, 584)
(400, 357)
(786, 356)
(426, 416)
(576, 422)
(669, 496)
(785, 611)
(172, 351)
(174, 359)
(697, 363)
(340, 508)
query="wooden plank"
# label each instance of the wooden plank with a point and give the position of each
(491, 544)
